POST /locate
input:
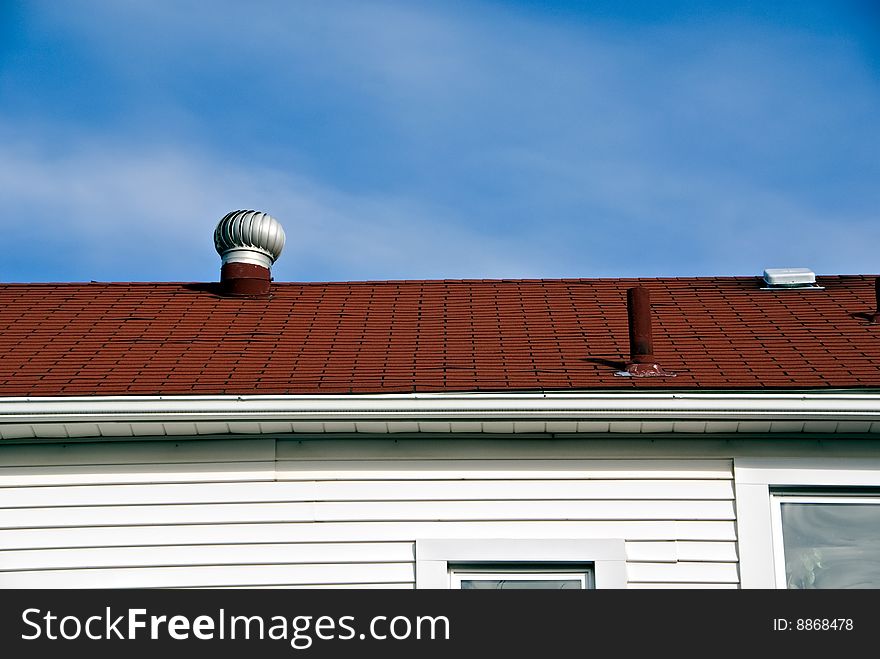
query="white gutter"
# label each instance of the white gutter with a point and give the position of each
(805, 406)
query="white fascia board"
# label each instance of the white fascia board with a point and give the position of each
(827, 406)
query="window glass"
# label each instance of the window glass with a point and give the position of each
(509, 577)
(831, 542)
(521, 584)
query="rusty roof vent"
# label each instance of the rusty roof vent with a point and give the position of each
(873, 317)
(249, 242)
(641, 339)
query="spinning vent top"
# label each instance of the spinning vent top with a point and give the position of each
(248, 242)
(249, 237)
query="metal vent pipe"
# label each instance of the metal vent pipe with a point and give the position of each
(641, 339)
(877, 296)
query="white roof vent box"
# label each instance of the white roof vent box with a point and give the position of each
(787, 278)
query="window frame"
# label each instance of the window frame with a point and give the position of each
(778, 497)
(757, 480)
(520, 572)
(437, 558)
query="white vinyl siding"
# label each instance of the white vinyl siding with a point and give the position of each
(261, 512)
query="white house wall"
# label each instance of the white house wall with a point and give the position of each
(337, 512)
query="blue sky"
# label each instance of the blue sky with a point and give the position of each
(419, 139)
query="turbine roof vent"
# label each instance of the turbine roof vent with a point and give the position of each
(247, 236)
(248, 242)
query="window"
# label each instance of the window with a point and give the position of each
(808, 522)
(520, 564)
(827, 540)
(515, 576)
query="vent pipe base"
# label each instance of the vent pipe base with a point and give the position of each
(245, 280)
(645, 371)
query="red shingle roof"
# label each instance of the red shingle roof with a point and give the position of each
(405, 336)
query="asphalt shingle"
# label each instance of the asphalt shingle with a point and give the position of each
(430, 336)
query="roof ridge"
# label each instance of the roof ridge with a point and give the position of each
(374, 282)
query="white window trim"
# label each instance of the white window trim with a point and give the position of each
(433, 557)
(754, 478)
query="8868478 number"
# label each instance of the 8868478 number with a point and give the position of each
(823, 624)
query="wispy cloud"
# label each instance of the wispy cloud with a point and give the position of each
(106, 213)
